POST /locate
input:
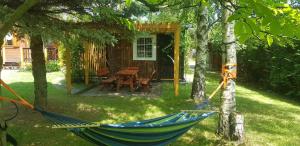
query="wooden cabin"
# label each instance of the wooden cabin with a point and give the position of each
(149, 51)
(154, 47)
(16, 51)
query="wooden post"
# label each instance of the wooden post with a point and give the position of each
(68, 71)
(46, 53)
(22, 56)
(3, 54)
(86, 62)
(176, 60)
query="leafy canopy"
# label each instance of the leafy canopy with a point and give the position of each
(266, 20)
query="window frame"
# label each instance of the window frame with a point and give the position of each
(9, 42)
(154, 47)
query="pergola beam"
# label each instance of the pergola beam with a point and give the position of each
(176, 61)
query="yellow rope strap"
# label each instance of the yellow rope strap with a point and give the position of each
(21, 100)
(228, 72)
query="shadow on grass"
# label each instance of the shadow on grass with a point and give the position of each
(106, 109)
(267, 119)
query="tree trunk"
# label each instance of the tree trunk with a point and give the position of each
(230, 122)
(38, 71)
(68, 74)
(198, 87)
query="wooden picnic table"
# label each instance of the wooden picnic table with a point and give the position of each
(127, 77)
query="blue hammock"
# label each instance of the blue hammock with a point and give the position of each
(154, 132)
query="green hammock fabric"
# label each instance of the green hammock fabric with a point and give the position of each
(154, 132)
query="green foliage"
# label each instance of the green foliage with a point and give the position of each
(77, 68)
(266, 20)
(216, 39)
(52, 66)
(77, 50)
(95, 20)
(275, 67)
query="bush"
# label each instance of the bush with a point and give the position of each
(276, 67)
(77, 68)
(52, 66)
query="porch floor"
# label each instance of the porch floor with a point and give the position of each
(155, 91)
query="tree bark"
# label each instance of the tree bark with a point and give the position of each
(228, 126)
(198, 87)
(68, 74)
(38, 71)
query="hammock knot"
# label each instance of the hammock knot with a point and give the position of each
(229, 71)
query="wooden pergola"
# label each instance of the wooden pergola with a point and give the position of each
(166, 28)
(146, 27)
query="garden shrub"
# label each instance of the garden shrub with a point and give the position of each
(77, 67)
(52, 66)
(276, 68)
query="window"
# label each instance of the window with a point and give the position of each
(144, 48)
(9, 39)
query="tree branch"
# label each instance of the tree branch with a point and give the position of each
(16, 15)
(213, 23)
(252, 30)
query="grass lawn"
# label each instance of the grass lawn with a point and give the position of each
(270, 119)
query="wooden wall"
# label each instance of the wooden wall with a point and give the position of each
(121, 55)
(12, 55)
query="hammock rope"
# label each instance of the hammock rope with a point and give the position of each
(20, 100)
(229, 71)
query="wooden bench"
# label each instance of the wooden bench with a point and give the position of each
(11, 65)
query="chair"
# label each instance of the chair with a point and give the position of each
(103, 72)
(145, 83)
(106, 78)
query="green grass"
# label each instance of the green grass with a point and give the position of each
(270, 119)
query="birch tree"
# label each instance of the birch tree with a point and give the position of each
(267, 21)
(198, 86)
(227, 123)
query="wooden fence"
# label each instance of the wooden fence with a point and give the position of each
(94, 58)
(27, 55)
